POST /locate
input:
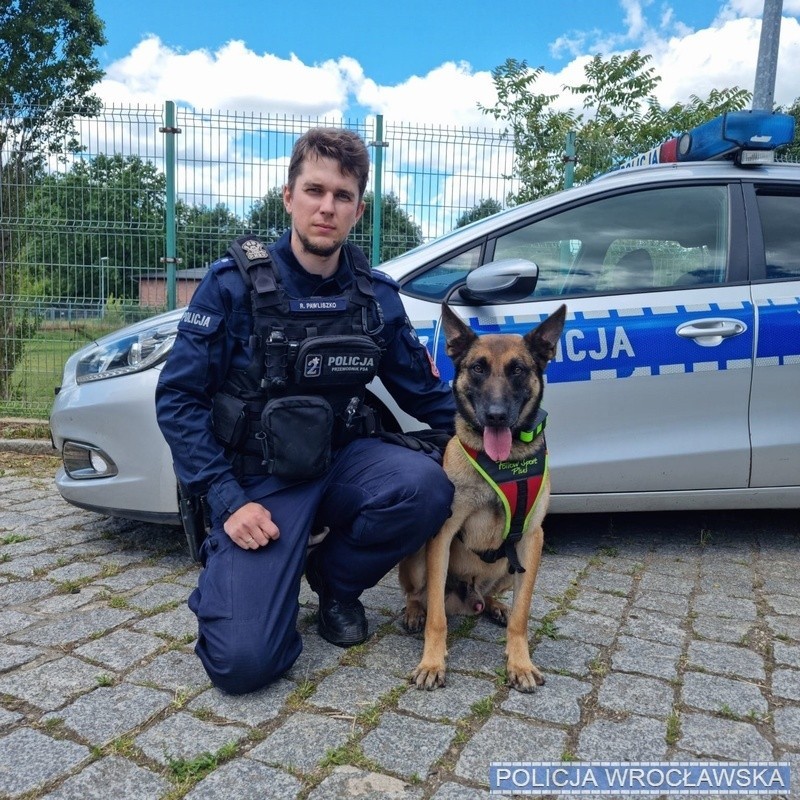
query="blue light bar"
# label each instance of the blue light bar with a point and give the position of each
(726, 136)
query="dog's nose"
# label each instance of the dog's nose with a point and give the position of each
(497, 416)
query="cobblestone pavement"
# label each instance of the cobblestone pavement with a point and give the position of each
(661, 637)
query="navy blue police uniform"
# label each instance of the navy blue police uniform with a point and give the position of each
(380, 501)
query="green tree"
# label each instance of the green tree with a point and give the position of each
(47, 70)
(792, 152)
(399, 232)
(204, 233)
(104, 222)
(616, 117)
(485, 208)
(268, 218)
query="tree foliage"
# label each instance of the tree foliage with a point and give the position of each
(617, 116)
(204, 233)
(485, 208)
(108, 207)
(399, 232)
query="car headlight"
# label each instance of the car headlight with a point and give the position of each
(127, 352)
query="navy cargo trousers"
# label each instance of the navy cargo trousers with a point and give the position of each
(381, 502)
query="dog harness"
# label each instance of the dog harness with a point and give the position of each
(518, 485)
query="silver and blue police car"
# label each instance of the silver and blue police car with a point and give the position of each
(677, 380)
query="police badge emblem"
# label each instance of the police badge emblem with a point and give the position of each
(313, 366)
(254, 249)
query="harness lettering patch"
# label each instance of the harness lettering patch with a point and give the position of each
(317, 304)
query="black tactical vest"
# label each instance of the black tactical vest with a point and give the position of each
(303, 391)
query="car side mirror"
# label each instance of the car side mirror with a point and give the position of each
(509, 280)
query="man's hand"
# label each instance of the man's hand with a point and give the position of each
(251, 526)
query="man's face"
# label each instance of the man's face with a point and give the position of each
(324, 205)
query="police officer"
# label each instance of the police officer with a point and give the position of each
(261, 402)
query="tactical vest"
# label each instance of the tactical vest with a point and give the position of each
(303, 392)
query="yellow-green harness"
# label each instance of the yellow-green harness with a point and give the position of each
(518, 486)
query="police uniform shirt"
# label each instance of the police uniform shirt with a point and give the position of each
(213, 339)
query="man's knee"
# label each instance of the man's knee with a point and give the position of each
(241, 664)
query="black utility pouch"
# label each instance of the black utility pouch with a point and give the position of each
(228, 419)
(296, 437)
(336, 361)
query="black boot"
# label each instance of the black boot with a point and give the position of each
(340, 622)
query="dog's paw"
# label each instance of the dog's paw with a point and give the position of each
(524, 677)
(414, 619)
(428, 676)
(496, 612)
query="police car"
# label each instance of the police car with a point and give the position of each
(677, 378)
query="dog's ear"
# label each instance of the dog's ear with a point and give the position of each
(542, 341)
(458, 336)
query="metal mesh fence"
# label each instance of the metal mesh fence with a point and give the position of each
(84, 237)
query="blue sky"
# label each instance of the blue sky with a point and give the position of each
(429, 61)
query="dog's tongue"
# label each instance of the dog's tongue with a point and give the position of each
(497, 443)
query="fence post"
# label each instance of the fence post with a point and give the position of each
(170, 256)
(569, 160)
(377, 191)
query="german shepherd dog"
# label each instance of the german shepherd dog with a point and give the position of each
(498, 388)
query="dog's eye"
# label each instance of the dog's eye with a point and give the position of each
(477, 368)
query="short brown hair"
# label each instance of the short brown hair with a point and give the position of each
(342, 145)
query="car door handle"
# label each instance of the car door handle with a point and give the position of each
(710, 332)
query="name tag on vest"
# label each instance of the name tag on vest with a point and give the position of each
(312, 305)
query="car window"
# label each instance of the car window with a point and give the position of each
(779, 214)
(437, 281)
(639, 241)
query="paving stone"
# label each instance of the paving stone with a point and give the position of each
(710, 737)
(175, 670)
(648, 658)
(785, 627)
(455, 791)
(251, 709)
(73, 572)
(507, 739)
(786, 722)
(29, 759)
(11, 621)
(592, 628)
(134, 578)
(243, 779)
(109, 712)
(557, 655)
(783, 603)
(350, 783)
(73, 628)
(23, 592)
(177, 623)
(302, 741)
(786, 654)
(600, 603)
(476, 656)
(158, 595)
(714, 693)
(655, 627)
(449, 703)
(662, 582)
(111, 777)
(726, 607)
(397, 655)
(317, 655)
(8, 718)
(612, 582)
(786, 683)
(664, 602)
(50, 685)
(726, 660)
(557, 701)
(30, 565)
(62, 603)
(121, 649)
(184, 737)
(14, 655)
(352, 689)
(633, 739)
(720, 629)
(635, 694)
(406, 745)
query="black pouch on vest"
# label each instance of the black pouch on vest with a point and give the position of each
(228, 419)
(296, 437)
(336, 361)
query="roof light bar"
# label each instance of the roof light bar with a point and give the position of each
(734, 134)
